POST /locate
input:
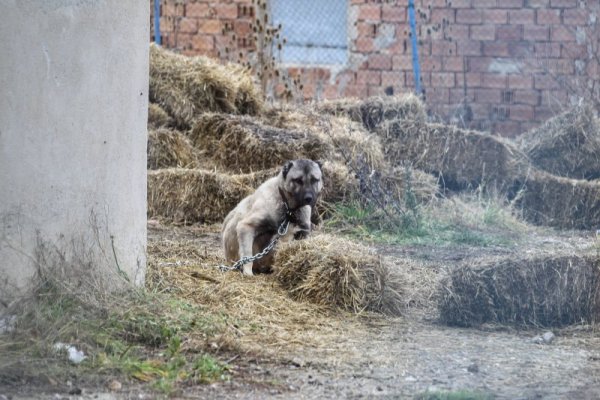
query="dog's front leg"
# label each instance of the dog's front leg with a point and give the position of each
(304, 224)
(245, 236)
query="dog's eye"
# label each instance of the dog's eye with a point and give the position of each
(297, 180)
(314, 180)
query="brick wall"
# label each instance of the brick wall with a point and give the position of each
(498, 65)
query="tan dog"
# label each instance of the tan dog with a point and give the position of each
(253, 223)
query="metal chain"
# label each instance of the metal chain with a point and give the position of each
(281, 231)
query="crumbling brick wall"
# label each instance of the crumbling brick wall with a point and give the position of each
(498, 65)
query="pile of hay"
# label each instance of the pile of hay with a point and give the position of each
(185, 87)
(243, 144)
(349, 139)
(195, 195)
(337, 273)
(540, 291)
(462, 159)
(567, 145)
(373, 111)
(560, 202)
(169, 148)
(158, 117)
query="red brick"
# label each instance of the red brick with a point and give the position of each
(442, 79)
(544, 50)
(530, 97)
(359, 91)
(576, 17)
(368, 77)
(443, 48)
(520, 49)
(509, 129)
(380, 61)
(364, 45)
(460, 3)
(468, 16)
(402, 62)
(479, 64)
(166, 24)
(553, 98)
(242, 28)
(431, 63)
(521, 112)
(392, 78)
(491, 96)
(510, 4)
(207, 26)
(509, 32)
(545, 82)
(393, 13)
(561, 33)
(369, 12)
(457, 32)
(537, 3)
(203, 42)
(522, 17)
(225, 11)
(483, 32)
(494, 80)
(187, 25)
(469, 47)
(438, 94)
(563, 3)
(536, 32)
(453, 64)
(366, 29)
(495, 16)
(520, 81)
(495, 49)
(547, 17)
(442, 15)
(560, 66)
(484, 3)
(473, 79)
(197, 10)
(543, 113)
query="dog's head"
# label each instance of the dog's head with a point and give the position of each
(302, 182)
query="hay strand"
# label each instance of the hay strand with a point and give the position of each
(169, 148)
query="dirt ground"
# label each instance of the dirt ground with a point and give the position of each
(378, 357)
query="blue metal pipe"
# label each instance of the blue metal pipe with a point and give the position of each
(415, 50)
(157, 22)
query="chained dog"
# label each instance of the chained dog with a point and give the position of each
(255, 221)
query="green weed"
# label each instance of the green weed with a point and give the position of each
(454, 395)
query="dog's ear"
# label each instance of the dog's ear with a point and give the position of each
(320, 164)
(286, 168)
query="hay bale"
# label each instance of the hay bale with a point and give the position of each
(169, 148)
(195, 195)
(350, 141)
(540, 291)
(373, 111)
(567, 145)
(157, 117)
(462, 158)
(188, 86)
(244, 144)
(337, 273)
(560, 202)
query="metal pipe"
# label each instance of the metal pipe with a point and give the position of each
(157, 22)
(415, 50)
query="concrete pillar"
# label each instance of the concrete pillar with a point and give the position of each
(73, 110)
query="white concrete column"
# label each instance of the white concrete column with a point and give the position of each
(73, 110)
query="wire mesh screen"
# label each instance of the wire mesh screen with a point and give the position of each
(315, 30)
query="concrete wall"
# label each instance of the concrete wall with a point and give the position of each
(73, 109)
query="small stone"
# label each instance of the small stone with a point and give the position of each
(379, 389)
(114, 385)
(473, 368)
(548, 337)
(75, 391)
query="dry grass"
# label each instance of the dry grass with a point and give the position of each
(157, 117)
(188, 86)
(567, 145)
(462, 158)
(195, 195)
(265, 319)
(540, 290)
(338, 273)
(560, 202)
(169, 148)
(373, 111)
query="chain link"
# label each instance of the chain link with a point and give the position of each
(281, 231)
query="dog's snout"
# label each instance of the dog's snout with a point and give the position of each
(308, 199)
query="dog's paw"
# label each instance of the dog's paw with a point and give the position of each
(247, 269)
(301, 235)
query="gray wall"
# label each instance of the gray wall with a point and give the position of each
(73, 110)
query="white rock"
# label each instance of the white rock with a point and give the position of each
(75, 356)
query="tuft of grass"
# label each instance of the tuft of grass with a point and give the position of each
(454, 395)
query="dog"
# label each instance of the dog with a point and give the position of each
(254, 222)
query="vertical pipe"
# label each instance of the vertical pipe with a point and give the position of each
(157, 22)
(415, 50)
